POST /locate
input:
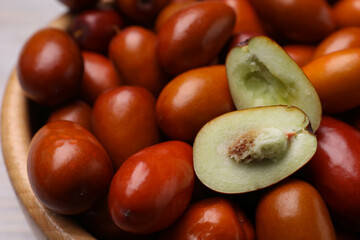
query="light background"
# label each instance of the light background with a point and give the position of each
(19, 19)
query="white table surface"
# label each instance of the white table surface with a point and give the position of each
(19, 19)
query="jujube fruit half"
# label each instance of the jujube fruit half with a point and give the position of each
(250, 149)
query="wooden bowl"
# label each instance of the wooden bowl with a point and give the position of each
(16, 133)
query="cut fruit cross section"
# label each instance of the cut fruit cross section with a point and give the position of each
(250, 149)
(261, 73)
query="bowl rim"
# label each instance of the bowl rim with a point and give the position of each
(15, 140)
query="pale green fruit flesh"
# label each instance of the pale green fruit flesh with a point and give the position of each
(261, 73)
(280, 144)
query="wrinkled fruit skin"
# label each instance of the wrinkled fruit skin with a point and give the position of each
(50, 67)
(152, 188)
(123, 119)
(335, 170)
(293, 210)
(68, 168)
(192, 99)
(208, 26)
(212, 218)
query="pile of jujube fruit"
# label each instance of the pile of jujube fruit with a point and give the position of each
(119, 96)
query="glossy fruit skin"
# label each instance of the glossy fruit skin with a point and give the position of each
(301, 54)
(76, 111)
(336, 78)
(168, 11)
(97, 221)
(141, 12)
(133, 53)
(208, 25)
(293, 209)
(68, 168)
(304, 21)
(192, 99)
(347, 13)
(93, 29)
(247, 19)
(123, 119)
(50, 67)
(99, 76)
(211, 218)
(344, 38)
(152, 188)
(335, 170)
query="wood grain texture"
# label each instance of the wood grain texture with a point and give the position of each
(15, 137)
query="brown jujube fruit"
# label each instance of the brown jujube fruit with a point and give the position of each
(123, 119)
(68, 168)
(50, 67)
(99, 76)
(194, 36)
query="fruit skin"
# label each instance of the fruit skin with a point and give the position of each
(347, 13)
(348, 37)
(247, 19)
(335, 77)
(68, 168)
(93, 29)
(192, 99)
(208, 26)
(50, 67)
(211, 218)
(133, 49)
(99, 76)
(303, 21)
(293, 209)
(123, 119)
(152, 188)
(335, 170)
(141, 12)
(301, 54)
(169, 10)
(76, 111)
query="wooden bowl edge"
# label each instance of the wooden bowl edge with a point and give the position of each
(15, 137)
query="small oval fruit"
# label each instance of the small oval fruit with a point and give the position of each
(133, 53)
(293, 209)
(301, 54)
(247, 19)
(344, 38)
(140, 11)
(347, 13)
(335, 170)
(192, 99)
(152, 188)
(99, 76)
(93, 29)
(194, 36)
(303, 21)
(76, 111)
(335, 77)
(211, 218)
(123, 119)
(50, 67)
(62, 175)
